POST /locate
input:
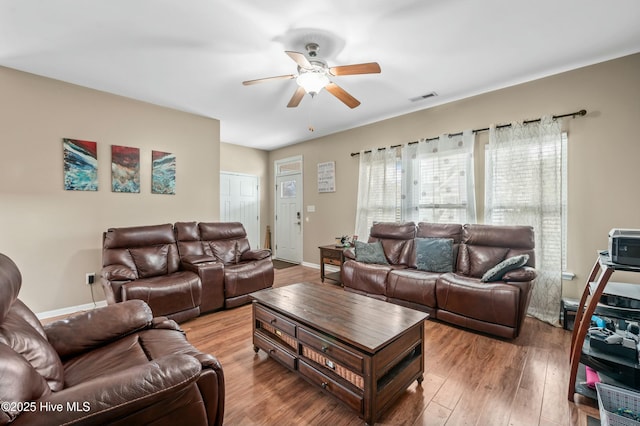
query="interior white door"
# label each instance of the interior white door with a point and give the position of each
(288, 235)
(240, 202)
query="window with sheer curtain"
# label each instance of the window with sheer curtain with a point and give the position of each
(430, 181)
(379, 189)
(525, 185)
(439, 185)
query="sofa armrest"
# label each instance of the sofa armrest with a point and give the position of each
(526, 273)
(164, 323)
(81, 332)
(118, 273)
(196, 259)
(109, 398)
(257, 254)
(350, 253)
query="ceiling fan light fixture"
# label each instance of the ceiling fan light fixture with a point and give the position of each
(312, 82)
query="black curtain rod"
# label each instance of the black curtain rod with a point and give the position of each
(580, 113)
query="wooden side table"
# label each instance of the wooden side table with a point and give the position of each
(331, 255)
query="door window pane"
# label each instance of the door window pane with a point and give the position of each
(288, 189)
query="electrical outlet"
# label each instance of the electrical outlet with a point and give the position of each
(90, 278)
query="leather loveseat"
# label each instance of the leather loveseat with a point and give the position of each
(185, 269)
(112, 365)
(220, 252)
(459, 296)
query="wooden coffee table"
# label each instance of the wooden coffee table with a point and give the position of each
(360, 350)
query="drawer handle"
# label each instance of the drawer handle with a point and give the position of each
(272, 351)
(325, 349)
(273, 321)
(324, 385)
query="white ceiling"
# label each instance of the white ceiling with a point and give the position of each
(192, 55)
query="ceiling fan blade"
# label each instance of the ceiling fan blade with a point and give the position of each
(262, 80)
(296, 98)
(300, 59)
(368, 68)
(341, 94)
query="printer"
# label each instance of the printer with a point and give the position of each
(624, 246)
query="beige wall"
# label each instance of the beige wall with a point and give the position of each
(54, 235)
(239, 159)
(604, 153)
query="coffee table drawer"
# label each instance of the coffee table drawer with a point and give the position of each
(275, 320)
(352, 400)
(351, 360)
(275, 351)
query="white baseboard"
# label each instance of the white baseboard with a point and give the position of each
(311, 265)
(327, 268)
(71, 310)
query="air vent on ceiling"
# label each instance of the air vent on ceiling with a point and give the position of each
(423, 97)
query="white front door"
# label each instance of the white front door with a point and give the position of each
(288, 238)
(240, 202)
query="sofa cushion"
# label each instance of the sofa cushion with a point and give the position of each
(225, 251)
(413, 286)
(109, 359)
(151, 261)
(479, 259)
(17, 332)
(247, 277)
(434, 254)
(166, 293)
(497, 272)
(20, 381)
(368, 278)
(496, 303)
(370, 253)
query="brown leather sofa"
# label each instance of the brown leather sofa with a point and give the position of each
(220, 252)
(113, 365)
(185, 269)
(458, 297)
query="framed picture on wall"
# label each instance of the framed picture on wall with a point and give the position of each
(80, 162)
(125, 169)
(163, 173)
(327, 176)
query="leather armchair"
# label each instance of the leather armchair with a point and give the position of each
(112, 365)
(142, 262)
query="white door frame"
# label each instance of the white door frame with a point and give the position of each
(277, 164)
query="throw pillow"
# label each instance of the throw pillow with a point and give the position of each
(370, 253)
(434, 254)
(497, 272)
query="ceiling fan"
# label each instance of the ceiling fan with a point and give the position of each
(314, 75)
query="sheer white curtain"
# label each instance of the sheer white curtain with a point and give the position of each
(439, 180)
(379, 189)
(524, 180)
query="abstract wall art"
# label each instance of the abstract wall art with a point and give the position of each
(80, 165)
(125, 169)
(163, 173)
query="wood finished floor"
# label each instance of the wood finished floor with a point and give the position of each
(470, 378)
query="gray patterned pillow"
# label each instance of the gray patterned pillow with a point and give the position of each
(370, 253)
(434, 254)
(496, 273)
